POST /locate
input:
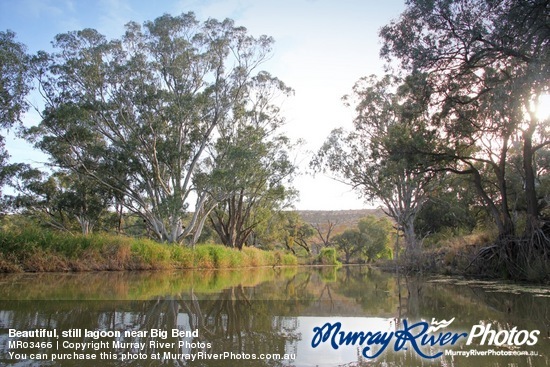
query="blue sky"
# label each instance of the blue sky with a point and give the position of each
(322, 47)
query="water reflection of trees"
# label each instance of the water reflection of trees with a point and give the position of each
(371, 289)
(265, 318)
(132, 285)
(229, 322)
(475, 301)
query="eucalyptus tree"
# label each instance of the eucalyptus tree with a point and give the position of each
(380, 156)
(61, 200)
(377, 232)
(15, 79)
(453, 208)
(296, 232)
(249, 186)
(475, 142)
(369, 240)
(251, 171)
(351, 243)
(482, 58)
(137, 114)
(15, 84)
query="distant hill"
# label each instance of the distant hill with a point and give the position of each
(342, 218)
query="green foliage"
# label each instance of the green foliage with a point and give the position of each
(350, 242)
(62, 200)
(369, 241)
(152, 253)
(136, 114)
(296, 234)
(451, 210)
(377, 232)
(284, 230)
(249, 176)
(15, 84)
(209, 256)
(483, 94)
(182, 256)
(203, 257)
(15, 79)
(382, 157)
(328, 256)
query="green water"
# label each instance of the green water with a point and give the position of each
(267, 317)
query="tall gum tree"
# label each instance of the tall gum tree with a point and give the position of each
(473, 50)
(379, 157)
(137, 114)
(251, 170)
(475, 141)
(15, 84)
(15, 79)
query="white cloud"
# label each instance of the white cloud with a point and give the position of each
(114, 15)
(42, 8)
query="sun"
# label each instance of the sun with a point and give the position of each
(542, 110)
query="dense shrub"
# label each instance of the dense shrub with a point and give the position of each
(327, 256)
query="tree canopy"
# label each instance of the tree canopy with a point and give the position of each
(378, 157)
(138, 114)
(15, 79)
(15, 83)
(369, 241)
(488, 63)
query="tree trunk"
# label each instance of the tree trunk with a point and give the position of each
(530, 191)
(508, 229)
(502, 218)
(408, 232)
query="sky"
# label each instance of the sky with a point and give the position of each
(322, 47)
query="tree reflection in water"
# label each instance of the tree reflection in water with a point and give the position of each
(272, 311)
(231, 322)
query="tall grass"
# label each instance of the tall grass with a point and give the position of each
(39, 250)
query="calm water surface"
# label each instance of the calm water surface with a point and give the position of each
(267, 313)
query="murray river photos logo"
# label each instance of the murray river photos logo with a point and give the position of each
(419, 337)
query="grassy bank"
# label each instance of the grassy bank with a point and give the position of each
(37, 250)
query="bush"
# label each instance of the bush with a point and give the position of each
(327, 256)
(287, 259)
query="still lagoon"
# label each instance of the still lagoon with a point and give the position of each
(295, 316)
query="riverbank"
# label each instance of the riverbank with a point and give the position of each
(468, 256)
(37, 250)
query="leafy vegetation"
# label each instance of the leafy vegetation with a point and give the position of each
(486, 64)
(172, 133)
(368, 242)
(461, 103)
(327, 256)
(376, 157)
(167, 113)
